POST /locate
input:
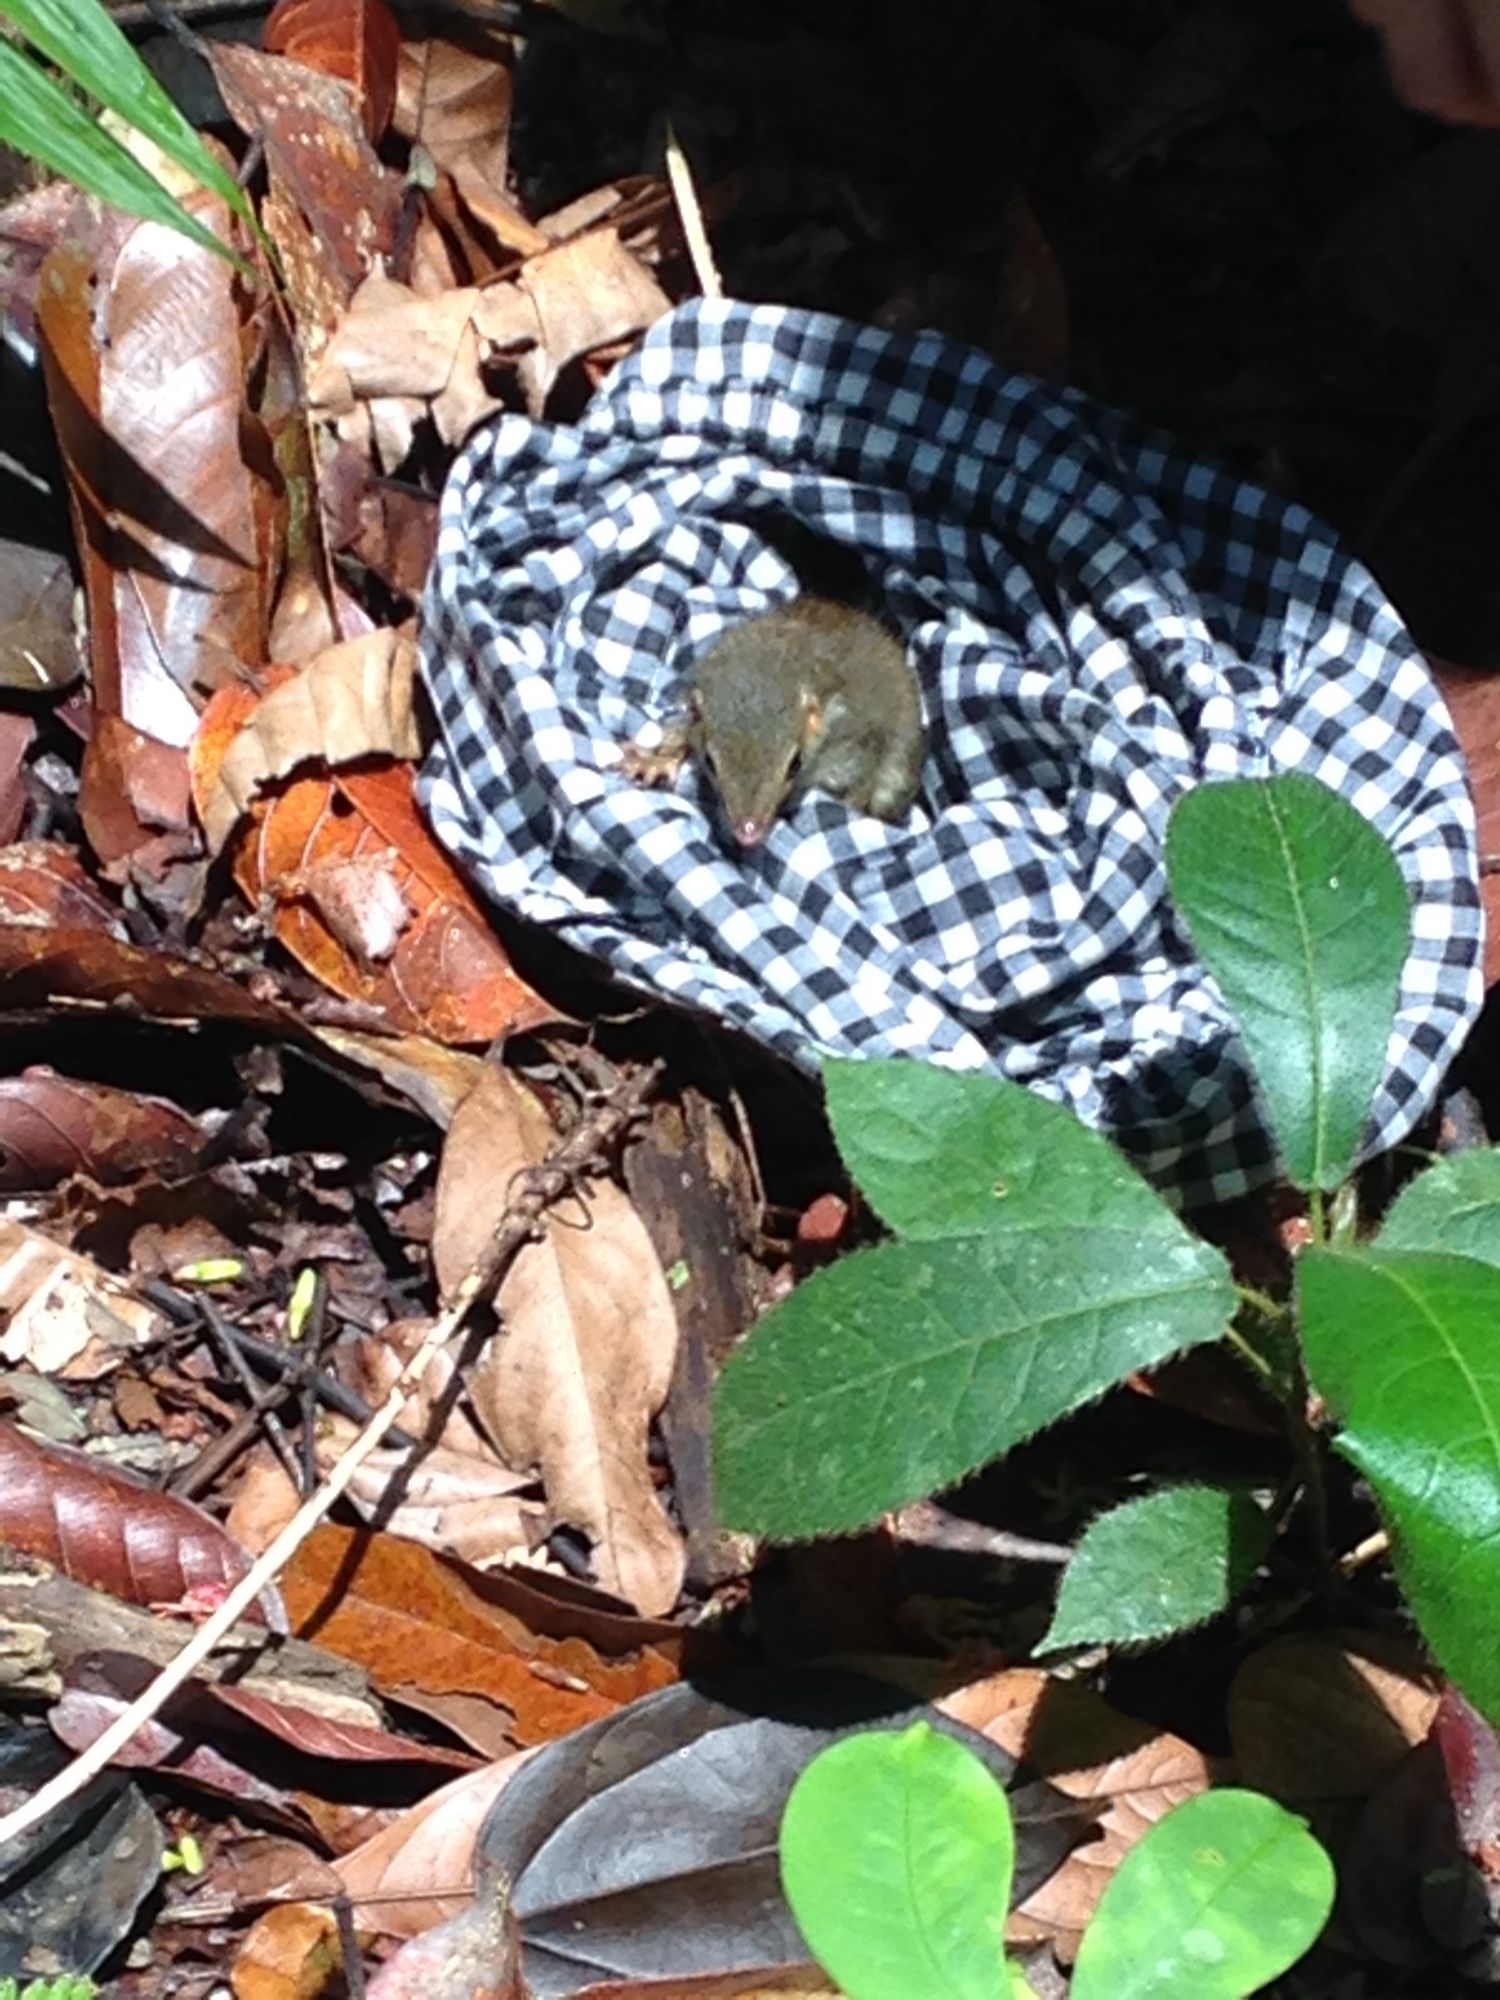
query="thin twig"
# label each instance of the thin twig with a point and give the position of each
(281, 1444)
(582, 1152)
(680, 180)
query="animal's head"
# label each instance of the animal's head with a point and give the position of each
(755, 734)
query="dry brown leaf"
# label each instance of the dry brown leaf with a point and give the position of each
(358, 41)
(353, 701)
(1131, 1771)
(289, 1953)
(588, 1343)
(424, 1073)
(459, 1503)
(456, 100)
(475, 1955)
(1325, 1715)
(419, 1871)
(587, 294)
(145, 377)
(65, 1315)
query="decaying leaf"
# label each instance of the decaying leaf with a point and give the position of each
(474, 1955)
(289, 1953)
(587, 1345)
(52, 1126)
(64, 1315)
(38, 642)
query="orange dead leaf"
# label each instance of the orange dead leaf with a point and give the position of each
(358, 41)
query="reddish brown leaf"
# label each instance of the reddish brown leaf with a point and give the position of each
(410, 1619)
(356, 40)
(323, 1736)
(444, 973)
(41, 966)
(101, 1527)
(134, 788)
(52, 1126)
(341, 206)
(17, 733)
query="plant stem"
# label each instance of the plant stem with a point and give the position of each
(1248, 1353)
(1262, 1302)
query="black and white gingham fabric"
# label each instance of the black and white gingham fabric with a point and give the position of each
(1097, 622)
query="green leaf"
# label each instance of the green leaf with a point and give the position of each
(899, 1370)
(1404, 1345)
(897, 1853)
(945, 1154)
(1222, 1895)
(1297, 909)
(1158, 1565)
(41, 120)
(84, 42)
(1454, 1206)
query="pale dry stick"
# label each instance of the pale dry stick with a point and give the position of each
(690, 214)
(579, 1154)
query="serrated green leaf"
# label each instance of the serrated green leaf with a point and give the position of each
(1454, 1206)
(40, 120)
(1158, 1565)
(84, 42)
(1220, 1897)
(897, 1853)
(1404, 1346)
(941, 1153)
(1297, 908)
(896, 1372)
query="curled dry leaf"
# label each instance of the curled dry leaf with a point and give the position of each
(1132, 1772)
(419, 1871)
(1325, 1715)
(587, 1344)
(99, 1527)
(353, 701)
(459, 1503)
(565, 302)
(446, 974)
(64, 1314)
(52, 1126)
(145, 377)
(359, 43)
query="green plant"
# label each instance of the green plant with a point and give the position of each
(1032, 1270)
(897, 1852)
(42, 120)
(66, 1986)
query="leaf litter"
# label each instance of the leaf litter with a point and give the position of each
(277, 1078)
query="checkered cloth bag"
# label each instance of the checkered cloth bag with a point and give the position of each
(1098, 623)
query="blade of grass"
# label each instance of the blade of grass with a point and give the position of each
(84, 42)
(41, 120)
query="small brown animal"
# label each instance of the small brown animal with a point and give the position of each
(812, 694)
